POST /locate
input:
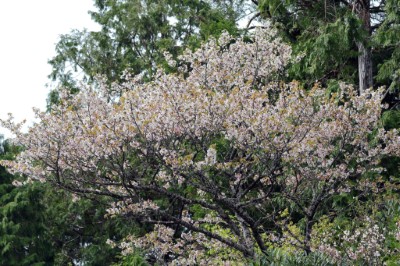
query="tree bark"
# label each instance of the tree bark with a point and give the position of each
(364, 67)
(364, 57)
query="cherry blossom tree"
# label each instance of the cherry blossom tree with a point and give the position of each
(221, 157)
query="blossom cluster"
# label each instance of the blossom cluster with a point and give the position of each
(365, 243)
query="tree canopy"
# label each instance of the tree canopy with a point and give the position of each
(199, 138)
(134, 35)
(221, 157)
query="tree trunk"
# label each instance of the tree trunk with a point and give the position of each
(307, 235)
(364, 67)
(364, 56)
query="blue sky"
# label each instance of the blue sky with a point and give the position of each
(30, 30)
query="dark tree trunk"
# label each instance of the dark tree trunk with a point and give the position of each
(364, 57)
(364, 67)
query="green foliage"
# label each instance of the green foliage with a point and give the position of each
(391, 119)
(134, 35)
(327, 52)
(23, 235)
(132, 260)
(78, 229)
(386, 41)
(323, 35)
(279, 257)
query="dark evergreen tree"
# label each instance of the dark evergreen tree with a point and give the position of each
(333, 38)
(24, 239)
